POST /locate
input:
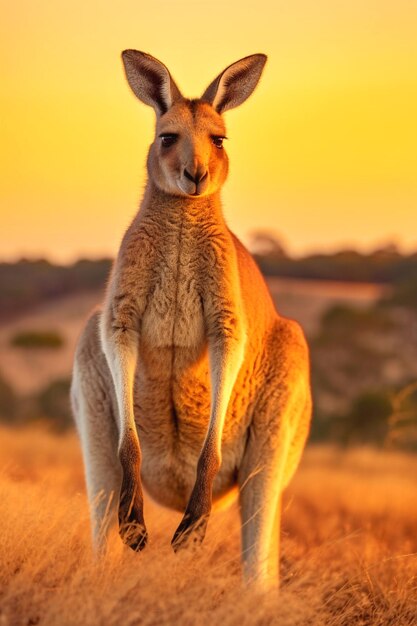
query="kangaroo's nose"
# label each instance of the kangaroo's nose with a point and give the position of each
(199, 174)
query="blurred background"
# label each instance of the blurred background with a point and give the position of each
(322, 187)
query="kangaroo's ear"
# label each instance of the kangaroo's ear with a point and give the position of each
(150, 80)
(236, 83)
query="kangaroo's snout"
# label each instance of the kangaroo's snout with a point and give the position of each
(198, 177)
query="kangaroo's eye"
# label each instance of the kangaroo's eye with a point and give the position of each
(218, 140)
(168, 139)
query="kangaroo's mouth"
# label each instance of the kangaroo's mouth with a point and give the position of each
(191, 189)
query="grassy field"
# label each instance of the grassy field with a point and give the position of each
(348, 550)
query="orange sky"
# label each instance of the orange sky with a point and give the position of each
(324, 152)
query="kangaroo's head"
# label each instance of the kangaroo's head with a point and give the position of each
(187, 157)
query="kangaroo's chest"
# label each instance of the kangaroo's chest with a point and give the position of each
(174, 313)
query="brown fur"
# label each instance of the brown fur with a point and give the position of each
(197, 370)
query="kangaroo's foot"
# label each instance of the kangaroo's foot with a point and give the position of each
(133, 534)
(190, 532)
(132, 527)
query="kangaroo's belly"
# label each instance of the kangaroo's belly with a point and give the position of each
(172, 393)
(172, 387)
(172, 417)
(169, 479)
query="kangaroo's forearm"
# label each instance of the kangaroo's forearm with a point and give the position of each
(125, 303)
(120, 345)
(121, 349)
(226, 358)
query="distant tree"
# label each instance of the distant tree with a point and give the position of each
(266, 244)
(389, 250)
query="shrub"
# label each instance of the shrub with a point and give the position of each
(37, 339)
(367, 422)
(403, 420)
(404, 294)
(54, 403)
(8, 401)
(340, 319)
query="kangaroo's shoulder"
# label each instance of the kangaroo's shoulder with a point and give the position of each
(254, 288)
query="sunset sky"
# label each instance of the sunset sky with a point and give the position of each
(324, 153)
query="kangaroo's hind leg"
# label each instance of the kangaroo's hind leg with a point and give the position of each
(276, 439)
(92, 400)
(260, 489)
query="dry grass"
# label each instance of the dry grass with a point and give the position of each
(349, 538)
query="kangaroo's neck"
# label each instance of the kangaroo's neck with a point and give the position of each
(162, 206)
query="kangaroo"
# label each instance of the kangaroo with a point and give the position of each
(187, 380)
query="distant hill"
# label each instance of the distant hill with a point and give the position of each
(26, 283)
(380, 266)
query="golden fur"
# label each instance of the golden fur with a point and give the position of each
(188, 366)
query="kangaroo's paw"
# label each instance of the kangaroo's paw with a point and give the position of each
(134, 535)
(132, 527)
(190, 532)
